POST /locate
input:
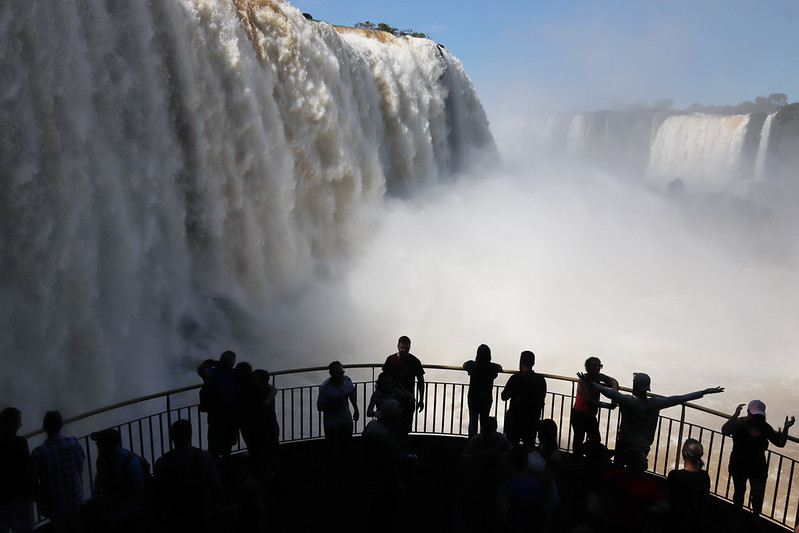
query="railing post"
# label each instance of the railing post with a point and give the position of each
(679, 437)
(569, 434)
(796, 519)
(169, 419)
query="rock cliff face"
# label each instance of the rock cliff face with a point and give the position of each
(173, 168)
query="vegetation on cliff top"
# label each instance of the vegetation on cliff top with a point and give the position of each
(761, 104)
(382, 26)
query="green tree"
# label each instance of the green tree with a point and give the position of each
(778, 99)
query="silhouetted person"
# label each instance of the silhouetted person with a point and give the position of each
(219, 399)
(383, 465)
(484, 465)
(387, 389)
(688, 491)
(544, 464)
(186, 485)
(581, 495)
(482, 373)
(519, 497)
(118, 495)
(586, 404)
(335, 396)
(257, 418)
(252, 516)
(58, 471)
(632, 501)
(488, 441)
(406, 368)
(16, 475)
(750, 437)
(527, 392)
(639, 413)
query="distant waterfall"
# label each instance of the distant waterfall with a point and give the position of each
(171, 168)
(760, 161)
(701, 149)
(578, 134)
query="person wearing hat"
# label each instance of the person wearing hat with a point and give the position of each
(118, 495)
(639, 412)
(750, 437)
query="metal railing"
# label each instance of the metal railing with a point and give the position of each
(144, 423)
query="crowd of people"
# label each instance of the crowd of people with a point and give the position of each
(515, 480)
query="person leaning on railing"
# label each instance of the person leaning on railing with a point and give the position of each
(639, 412)
(586, 404)
(750, 437)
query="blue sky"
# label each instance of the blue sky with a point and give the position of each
(601, 54)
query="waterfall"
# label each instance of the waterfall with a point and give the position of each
(702, 150)
(172, 169)
(577, 136)
(760, 160)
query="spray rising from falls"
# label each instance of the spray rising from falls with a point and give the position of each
(171, 170)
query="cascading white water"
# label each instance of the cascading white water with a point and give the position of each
(576, 138)
(703, 150)
(174, 169)
(760, 160)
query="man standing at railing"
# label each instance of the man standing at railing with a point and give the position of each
(16, 475)
(218, 398)
(335, 395)
(58, 471)
(404, 368)
(639, 413)
(526, 391)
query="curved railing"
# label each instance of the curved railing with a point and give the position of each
(144, 424)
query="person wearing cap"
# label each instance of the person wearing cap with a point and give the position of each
(639, 412)
(750, 437)
(118, 495)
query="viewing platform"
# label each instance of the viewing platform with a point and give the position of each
(303, 494)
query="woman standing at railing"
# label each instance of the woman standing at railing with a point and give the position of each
(586, 405)
(750, 437)
(482, 373)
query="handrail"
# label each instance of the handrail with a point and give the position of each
(444, 415)
(179, 390)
